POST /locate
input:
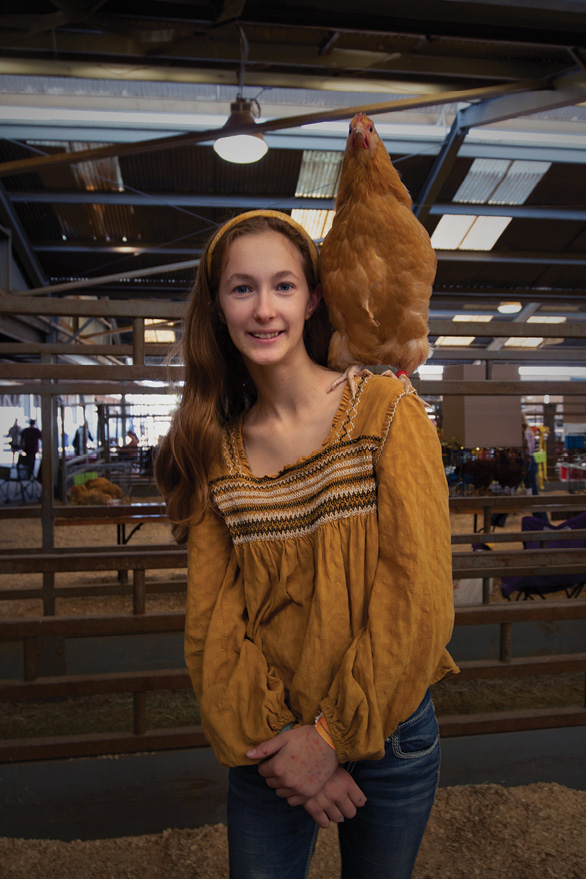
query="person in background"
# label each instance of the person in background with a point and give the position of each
(14, 438)
(80, 440)
(531, 468)
(131, 447)
(29, 443)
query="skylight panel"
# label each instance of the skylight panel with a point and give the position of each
(519, 182)
(319, 174)
(473, 318)
(481, 180)
(546, 319)
(453, 341)
(451, 231)
(317, 224)
(523, 342)
(484, 233)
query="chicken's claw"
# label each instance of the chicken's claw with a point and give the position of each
(350, 376)
(403, 377)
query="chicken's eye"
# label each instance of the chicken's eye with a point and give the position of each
(371, 128)
(349, 129)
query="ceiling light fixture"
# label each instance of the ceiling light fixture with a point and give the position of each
(509, 307)
(241, 148)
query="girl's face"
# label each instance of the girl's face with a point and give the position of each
(264, 298)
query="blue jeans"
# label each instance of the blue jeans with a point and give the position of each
(268, 839)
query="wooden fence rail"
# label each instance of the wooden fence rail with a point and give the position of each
(33, 686)
(514, 563)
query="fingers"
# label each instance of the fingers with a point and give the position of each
(296, 800)
(356, 797)
(320, 818)
(352, 791)
(323, 810)
(317, 812)
(288, 792)
(266, 749)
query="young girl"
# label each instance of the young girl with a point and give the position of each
(319, 577)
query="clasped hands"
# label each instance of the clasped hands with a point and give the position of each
(304, 770)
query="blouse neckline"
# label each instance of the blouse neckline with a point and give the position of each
(238, 439)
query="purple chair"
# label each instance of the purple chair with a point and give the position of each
(539, 585)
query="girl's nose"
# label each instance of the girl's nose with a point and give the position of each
(264, 307)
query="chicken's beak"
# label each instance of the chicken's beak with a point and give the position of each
(359, 135)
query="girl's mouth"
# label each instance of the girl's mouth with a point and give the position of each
(264, 336)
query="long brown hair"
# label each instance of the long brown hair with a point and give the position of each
(218, 387)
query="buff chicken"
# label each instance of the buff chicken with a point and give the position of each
(377, 262)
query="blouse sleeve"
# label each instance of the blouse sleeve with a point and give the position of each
(242, 699)
(400, 651)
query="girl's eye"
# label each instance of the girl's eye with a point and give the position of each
(241, 288)
(285, 286)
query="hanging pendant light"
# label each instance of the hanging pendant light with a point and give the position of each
(241, 148)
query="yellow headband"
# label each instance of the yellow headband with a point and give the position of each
(264, 213)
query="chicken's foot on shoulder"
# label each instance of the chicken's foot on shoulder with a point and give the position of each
(350, 376)
(401, 375)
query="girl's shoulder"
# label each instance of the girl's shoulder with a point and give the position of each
(377, 400)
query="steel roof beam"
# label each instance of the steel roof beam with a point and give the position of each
(506, 24)
(21, 245)
(443, 164)
(397, 144)
(493, 257)
(563, 91)
(502, 257)
(299, 59)
(523, 212)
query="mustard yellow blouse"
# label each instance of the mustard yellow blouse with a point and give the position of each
(326, 587)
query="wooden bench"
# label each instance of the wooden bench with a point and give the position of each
(136, 519)
(120, 515)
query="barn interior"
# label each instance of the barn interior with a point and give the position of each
(110, 186)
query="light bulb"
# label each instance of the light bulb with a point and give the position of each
(241, 148)
(509, 307)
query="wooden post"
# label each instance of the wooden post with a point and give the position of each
(139, 590)
(48, 483)
(139, 713)
(506, 653)
(30, 657)
(138, 341)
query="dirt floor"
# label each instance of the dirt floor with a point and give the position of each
(488, 831)
(532, 832)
